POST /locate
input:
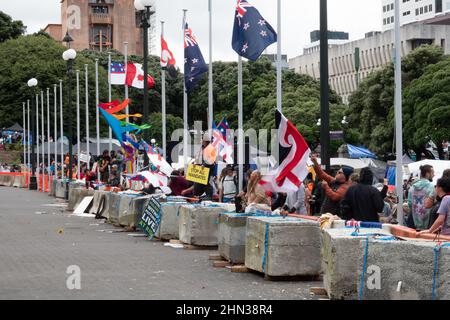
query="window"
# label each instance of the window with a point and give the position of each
(421, 10)
(384, 21)
(417, 12)
(430, 8)
(425, 9)
(392, 6)
(100, 9)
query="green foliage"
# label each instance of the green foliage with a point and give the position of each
(41, 57)
(9, 28)
(371, 108)
(172, 123)
(427, 107)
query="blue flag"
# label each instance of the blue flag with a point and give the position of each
(194, 64)
(251, 34)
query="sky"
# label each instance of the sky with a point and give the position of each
(299, 18)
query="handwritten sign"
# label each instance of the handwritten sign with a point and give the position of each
(151, 217)
(197, 174)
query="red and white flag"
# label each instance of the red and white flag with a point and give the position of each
(294, 154)
(167, 58)
(135, 76)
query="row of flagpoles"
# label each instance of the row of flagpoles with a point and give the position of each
(252, 34)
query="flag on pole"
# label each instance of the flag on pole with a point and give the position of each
(118, 74)
(135, 76)
(224, 146)
(252, 34)
(167, 58)
(194, 64)
(294, 154)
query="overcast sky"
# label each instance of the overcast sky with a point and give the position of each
(299, 17)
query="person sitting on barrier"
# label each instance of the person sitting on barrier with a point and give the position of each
(421, 199)
(442, 223)
(114, 177)
(334, 188)
(178, 183)
(104, 162)
(228, 186)
(363, 202)
(256, 197)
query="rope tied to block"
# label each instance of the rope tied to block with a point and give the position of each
(377, 236)
(266, 249)
(437, 251)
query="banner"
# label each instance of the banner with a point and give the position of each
(197, 174)
(151, 217)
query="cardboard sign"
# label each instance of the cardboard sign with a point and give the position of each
(84, 157)
(197, 174)
(151, 217)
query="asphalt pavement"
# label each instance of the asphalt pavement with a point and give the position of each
(41, 245)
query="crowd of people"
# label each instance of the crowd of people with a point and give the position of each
(346, 195)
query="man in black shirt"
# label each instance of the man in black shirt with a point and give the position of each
(362, 202)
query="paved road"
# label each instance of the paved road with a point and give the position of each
(35, 255)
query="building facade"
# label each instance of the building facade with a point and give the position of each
(412, 11)
(374, 52)
(99, 25)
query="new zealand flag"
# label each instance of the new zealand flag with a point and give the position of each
(194, 64)
(251, 34)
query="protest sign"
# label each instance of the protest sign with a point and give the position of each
(197, 174)
(151, 217)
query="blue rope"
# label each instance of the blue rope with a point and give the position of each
(437, 250)
(363, 276)
(266, 249)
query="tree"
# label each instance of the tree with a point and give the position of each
(9, 28)
(371, 107)
(41, 57)
(427, 108)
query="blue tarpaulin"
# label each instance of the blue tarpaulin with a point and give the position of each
(359, 152)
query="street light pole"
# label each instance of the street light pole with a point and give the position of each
(144, 7)
(69, 55)
(32, 83)
(324, 88)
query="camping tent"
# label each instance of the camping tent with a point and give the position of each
(359, 152)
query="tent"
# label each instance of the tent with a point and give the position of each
(438, 165)
(359, 152)
(15, 128)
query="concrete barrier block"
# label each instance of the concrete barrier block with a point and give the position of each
(290, 248)
(100, 204)
(340, 255)
(76, 195)
(403, 270)
(199, 225)
(52, 191)
(232, 232)
(169, 225)
(60, 189)
(131, 210)
(19, 181)
(114, 207)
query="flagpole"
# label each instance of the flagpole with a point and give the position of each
(163, 101)
(185, 105)
(37, 140)
(127, 110)
(97, 102)
(78, 124)
(61, 127)
(28, 134)
(48, 136)
(109, 97)
(87, 114)
(24, 135)
(210, 82)
(279, 74)
(43, 140)
(241, 146)
(398, 115)
(55, 130)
